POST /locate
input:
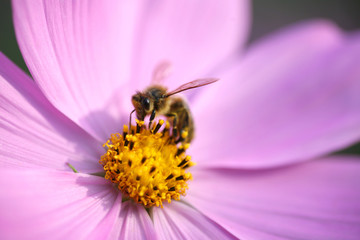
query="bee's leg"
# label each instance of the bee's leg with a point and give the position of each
(152, 116)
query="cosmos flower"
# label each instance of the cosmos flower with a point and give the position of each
(287, 99)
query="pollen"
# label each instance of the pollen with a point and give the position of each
(147, 165)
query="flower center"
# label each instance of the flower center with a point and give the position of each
(147, 165)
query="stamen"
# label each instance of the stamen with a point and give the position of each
(125, 131)
(179, 178)
(139, 124)
(158, 126)
(147, 165)
(166, 129)
(169, 177)
(182, 137)
(185, 160)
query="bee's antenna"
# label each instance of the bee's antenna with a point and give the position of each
(130, 119)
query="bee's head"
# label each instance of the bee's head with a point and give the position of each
(142, 104)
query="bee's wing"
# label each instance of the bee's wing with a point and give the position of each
(193, 84)
(161, 72)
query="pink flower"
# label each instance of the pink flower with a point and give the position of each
(291, 97)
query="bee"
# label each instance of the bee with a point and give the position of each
(156, 100)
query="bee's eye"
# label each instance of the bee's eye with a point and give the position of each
(146, 103)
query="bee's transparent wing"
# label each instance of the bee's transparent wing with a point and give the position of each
(193, 84)
(161, 72)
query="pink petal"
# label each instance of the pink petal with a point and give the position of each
(194, 36)
(136, 222)
(56, 205)
(314, 200)
(180, 221)
(294, 96)
(35, 134)
(79, 53)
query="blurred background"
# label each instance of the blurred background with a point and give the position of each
(267, 17)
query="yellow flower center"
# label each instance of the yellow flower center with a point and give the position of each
(147, 165)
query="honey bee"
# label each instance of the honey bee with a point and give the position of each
(157, 100)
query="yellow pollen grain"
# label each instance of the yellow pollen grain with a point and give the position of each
(146, 164)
